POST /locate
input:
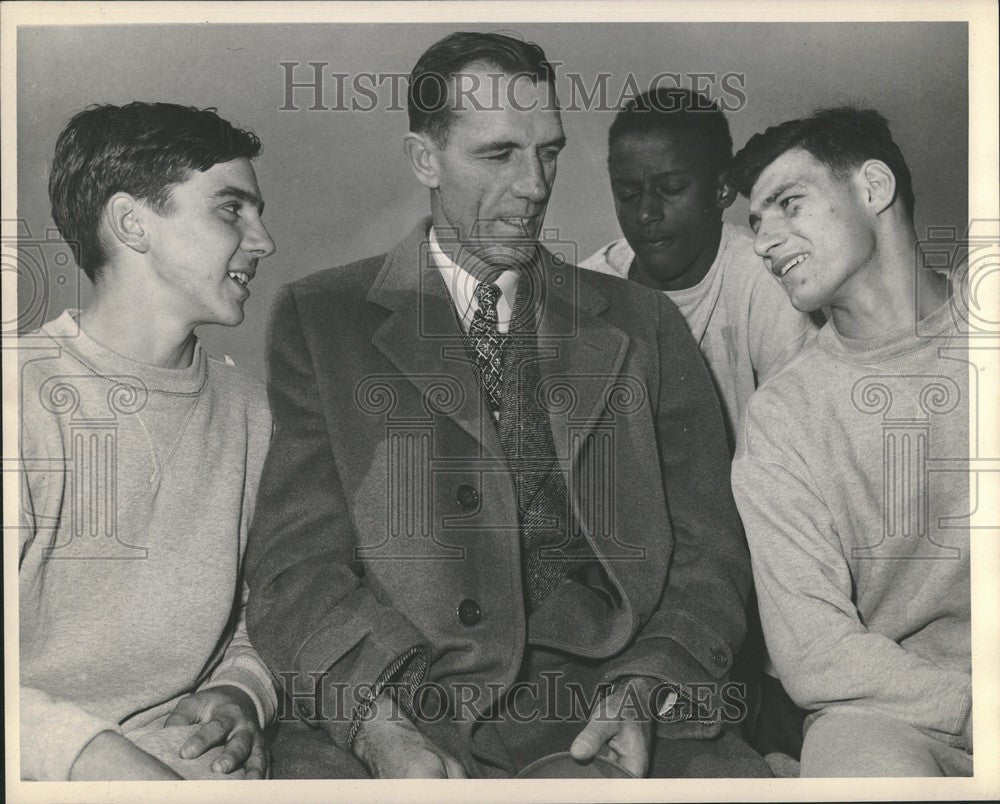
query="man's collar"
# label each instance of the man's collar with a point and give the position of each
(462, 285)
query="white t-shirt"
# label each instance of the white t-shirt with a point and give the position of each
(739, 315)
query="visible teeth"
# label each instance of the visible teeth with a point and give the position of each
(241, 278)
(793, 263)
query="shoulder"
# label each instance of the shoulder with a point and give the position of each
(240, 388)
(742, 268)
(240, 381)
(631, 305)
(791, 396)
(332, 294)
(615, 258)
(42, 354)
(355, 277)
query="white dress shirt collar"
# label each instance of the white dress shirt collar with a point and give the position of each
(462, 287)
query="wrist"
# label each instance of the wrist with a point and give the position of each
(239, 697)
(383, 714)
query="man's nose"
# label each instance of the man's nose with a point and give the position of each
(649, 208)
(257, 240)
(532, 182)
(768, 236)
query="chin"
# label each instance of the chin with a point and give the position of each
(805, 304)
(231, 319)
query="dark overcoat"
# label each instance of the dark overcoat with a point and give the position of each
(386, 516)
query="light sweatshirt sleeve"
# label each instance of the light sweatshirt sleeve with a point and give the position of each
(242, 667)
(823, 653)
(53, 733)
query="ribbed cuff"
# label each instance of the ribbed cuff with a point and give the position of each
(247, 674)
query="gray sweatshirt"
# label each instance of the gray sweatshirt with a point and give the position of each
(137, 490)
(851, 476)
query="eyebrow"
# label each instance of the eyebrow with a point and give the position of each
(503, 145)
(769, 201)
(240, 194)
(665, 174)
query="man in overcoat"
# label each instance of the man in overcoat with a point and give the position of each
(495, 520)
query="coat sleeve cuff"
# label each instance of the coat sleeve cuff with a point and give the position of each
(697, 711)
(401, 679)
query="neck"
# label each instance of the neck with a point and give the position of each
(119, 319)
(892, 292)
(689, 277)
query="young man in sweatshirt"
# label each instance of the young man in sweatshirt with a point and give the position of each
(141, 455)
(668, 151)
(845, 473)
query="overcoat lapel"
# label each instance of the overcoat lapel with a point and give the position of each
(424, 339)
(581, 355)
(584, 355)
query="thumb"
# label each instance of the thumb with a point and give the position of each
(589, 741)
(184, 714)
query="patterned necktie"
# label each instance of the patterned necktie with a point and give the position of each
(487, 343)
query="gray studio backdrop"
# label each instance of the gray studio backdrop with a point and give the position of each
(336, 181)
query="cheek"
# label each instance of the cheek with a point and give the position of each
(689, 212)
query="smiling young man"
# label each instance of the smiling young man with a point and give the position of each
(142, 455)
(857, 527)
(668, 151)
(462, 534)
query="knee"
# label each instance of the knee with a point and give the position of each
(865, 744)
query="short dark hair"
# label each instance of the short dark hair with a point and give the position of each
(677, 110)
(841, 138)
(429, 96)
(140, 148)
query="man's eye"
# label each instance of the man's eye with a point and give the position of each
(232, 207)
(786, 202)
(499, 156)
(671, 189)
(549, 154)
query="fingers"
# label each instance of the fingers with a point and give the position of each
(256, 766)
(591, 739)
(211, 734)
(185, 713)
(427, 766)
(632, 748)
(244, 749)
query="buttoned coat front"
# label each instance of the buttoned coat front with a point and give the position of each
(386, 517)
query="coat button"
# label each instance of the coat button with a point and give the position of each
(468, 612)
(719, 659)
(467, 497)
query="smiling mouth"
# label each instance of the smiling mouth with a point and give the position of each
(240, 279)
(783, 268)
(517, 223)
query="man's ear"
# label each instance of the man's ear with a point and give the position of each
(878, 184)
(422, 151)
(125, 216)
(725, 193)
